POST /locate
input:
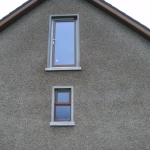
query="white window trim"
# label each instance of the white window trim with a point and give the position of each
(49, 53)
(63, 123)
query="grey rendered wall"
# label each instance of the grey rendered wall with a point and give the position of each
(111, 93)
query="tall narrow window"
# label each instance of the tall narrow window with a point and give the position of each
(63, 50)
(62, 106)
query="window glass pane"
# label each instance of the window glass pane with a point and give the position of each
(64, 43)
(63, 96)
(63, 113)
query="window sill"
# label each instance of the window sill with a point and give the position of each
(54, 124)
(62, 68)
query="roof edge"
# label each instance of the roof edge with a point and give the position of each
(18, 13)
(125, 19)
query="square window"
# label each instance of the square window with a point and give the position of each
(63, 49)
(62, 106)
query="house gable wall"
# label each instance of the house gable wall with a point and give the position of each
(111, 92)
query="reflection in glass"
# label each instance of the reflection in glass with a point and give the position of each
(64, 43)
(62, 112)
(63, 96)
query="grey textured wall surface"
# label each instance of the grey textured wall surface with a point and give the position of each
(111, 93)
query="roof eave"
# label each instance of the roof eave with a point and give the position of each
(18, 13)
(28, 6)
(115, 13)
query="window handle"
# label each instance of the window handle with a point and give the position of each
(54, 40)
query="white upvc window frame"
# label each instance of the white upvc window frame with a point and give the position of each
(50, 67)
(62, 123)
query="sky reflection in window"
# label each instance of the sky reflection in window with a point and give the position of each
(63, 97)
(62, 112)
(64, 43)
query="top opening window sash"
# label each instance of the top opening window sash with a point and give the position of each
(66, 101)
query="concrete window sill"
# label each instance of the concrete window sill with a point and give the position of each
(63, 68)
(54, 124)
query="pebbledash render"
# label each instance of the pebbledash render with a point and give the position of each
(99, 99)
